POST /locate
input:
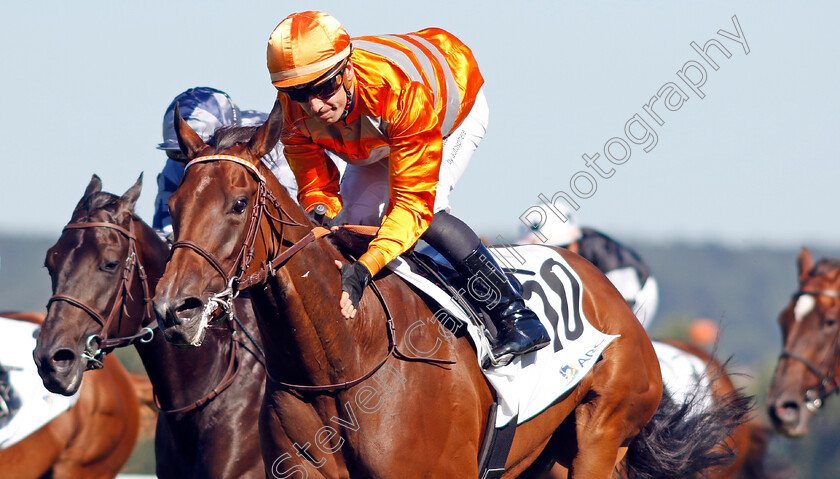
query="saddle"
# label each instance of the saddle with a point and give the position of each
(430, 264)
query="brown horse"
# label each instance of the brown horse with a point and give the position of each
(341, 399)
(807, 372)
(94, 438)
(104, 268)
(747, 441)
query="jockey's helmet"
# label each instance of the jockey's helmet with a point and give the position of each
(555, 231)
(205, 109)
(304, 47)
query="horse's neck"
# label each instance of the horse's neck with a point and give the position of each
(182, 376)
(306, 338)
(152, 252)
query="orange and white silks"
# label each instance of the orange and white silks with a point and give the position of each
(411, 91)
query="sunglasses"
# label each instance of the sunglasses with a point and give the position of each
(322, 89)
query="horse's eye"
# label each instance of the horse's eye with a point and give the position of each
(110, 266)
(830, 322)
(239, 205)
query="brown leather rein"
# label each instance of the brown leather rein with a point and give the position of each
(814, 397)
(234, 281)
(97, 346)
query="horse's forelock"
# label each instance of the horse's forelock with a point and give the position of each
(228, 136)
(825, 266)
(95, 202)
(101, 200)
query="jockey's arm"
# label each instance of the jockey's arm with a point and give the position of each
(316, 174)
(413, 167)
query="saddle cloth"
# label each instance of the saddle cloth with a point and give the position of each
(531, 382)
(37, 405)
(685, 377)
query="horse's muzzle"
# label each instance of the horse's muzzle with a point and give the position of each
(60, 369)
(182, 320)
(789, 416)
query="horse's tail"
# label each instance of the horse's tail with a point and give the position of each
(685, 440)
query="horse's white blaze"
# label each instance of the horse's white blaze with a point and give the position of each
(804, 305)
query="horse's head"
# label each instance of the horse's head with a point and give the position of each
(808, 365)
(93, 268)
(217, 213)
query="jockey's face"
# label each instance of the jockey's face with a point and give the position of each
(330, 109)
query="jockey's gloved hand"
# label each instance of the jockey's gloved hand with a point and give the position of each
(354, 279)
(318, 214)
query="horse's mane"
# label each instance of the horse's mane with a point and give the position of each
(824, 266)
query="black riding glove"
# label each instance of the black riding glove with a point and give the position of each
(318, 214)
(354, 278)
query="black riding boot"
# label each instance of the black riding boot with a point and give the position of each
(519, 331)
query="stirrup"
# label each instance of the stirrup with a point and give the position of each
(491, 361)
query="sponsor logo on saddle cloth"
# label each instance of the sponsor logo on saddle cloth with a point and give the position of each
(685, 377)
(552, 289)
(37, 405)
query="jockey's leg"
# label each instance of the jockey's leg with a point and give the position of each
(519, 329)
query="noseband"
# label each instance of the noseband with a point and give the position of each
(814, 397)
(97, 345)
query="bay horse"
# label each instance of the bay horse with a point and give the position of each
(807, 372)
(92, 439)
(747, 441)
(341, 399)
(104, 269)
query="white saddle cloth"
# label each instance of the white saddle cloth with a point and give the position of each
(531, 382)
(38, 406)
(685, 377)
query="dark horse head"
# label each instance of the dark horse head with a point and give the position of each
(95, 268)
(807, 372)
(104, 269)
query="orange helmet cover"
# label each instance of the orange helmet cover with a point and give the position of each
(304, 46)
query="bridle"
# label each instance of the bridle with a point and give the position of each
(98, 345)
(828, 385)
(236, 282)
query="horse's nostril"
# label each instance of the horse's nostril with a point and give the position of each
(787, 411)
(187, 307)
(63, 359)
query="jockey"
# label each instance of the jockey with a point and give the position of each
(623, 266)
(206, 109)
(405, 112)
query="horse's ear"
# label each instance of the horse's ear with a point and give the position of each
(188, 139)
(805, 262)
(95, 186)
(129, 198)
(268, 134)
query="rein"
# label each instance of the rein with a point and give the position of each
(98, 345)
(237, 283)
(829, 384)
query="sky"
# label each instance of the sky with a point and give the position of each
(746, 158)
